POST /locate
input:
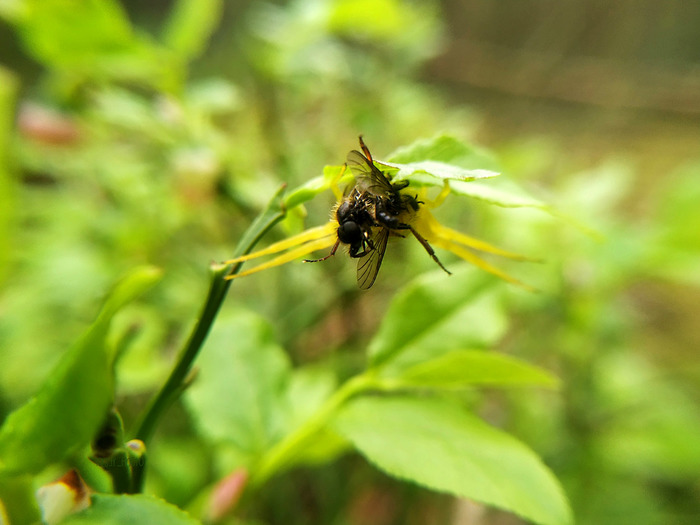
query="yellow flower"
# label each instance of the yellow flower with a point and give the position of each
(411, 214)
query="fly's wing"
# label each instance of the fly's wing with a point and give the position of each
(367, 176)
(368, 265)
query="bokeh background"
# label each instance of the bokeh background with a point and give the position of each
(153, 132)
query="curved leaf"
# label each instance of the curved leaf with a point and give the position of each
(433, 161)
(435, 314)
(445, 148)
(465, 368)
(440, 171)
(190, 24)
(74, 400)
(439, 445)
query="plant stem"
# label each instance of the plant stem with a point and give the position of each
(217, 293)
(283, 453)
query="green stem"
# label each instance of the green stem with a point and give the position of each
(217, 293)
(283, 453)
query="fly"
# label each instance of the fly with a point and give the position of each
(372, 210)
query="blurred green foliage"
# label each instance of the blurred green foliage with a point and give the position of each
(122, 146)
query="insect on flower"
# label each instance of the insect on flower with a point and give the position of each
(373, 209)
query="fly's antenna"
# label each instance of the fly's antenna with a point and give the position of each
(365, 149)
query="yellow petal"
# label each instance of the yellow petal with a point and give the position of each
(436, 230)
(289, 256)
(305, 236)
(479, 262)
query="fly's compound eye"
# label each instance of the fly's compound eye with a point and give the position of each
(349, 232)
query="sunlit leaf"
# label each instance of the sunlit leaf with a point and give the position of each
(385, 21)
(437, 444)
(445, 148)
(464, 368)
(190, 25)
(104, 46)
(440, 171)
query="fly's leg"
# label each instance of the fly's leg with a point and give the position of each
(427, 247)
(440, 197)
(333, 250)
(369, 246)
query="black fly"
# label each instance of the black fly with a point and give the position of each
(371, 211)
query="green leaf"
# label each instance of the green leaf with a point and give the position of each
(129, 288)
(133, 509)
(385, 21)
(464, 368)
(445, 148)
(237, 397)
(441, 158)
(18, 500)
(190, 24)
(105, 46)
(435, 314)
(437, 172)
(439, 445)
(72, 403)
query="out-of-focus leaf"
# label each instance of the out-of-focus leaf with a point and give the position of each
(8, 87)
(190, 25)
(674, 246)
(385, 21)
(91, 38)
(237, 397)
(655, 431)
(308, 389)
(134, 509)
(213, 95)
(134, 284)
(18, 501)
(465, 368)
(435, 314)
(73, 401)
(501, 193)
(380, 18)
(439, 445)
(11, 10)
